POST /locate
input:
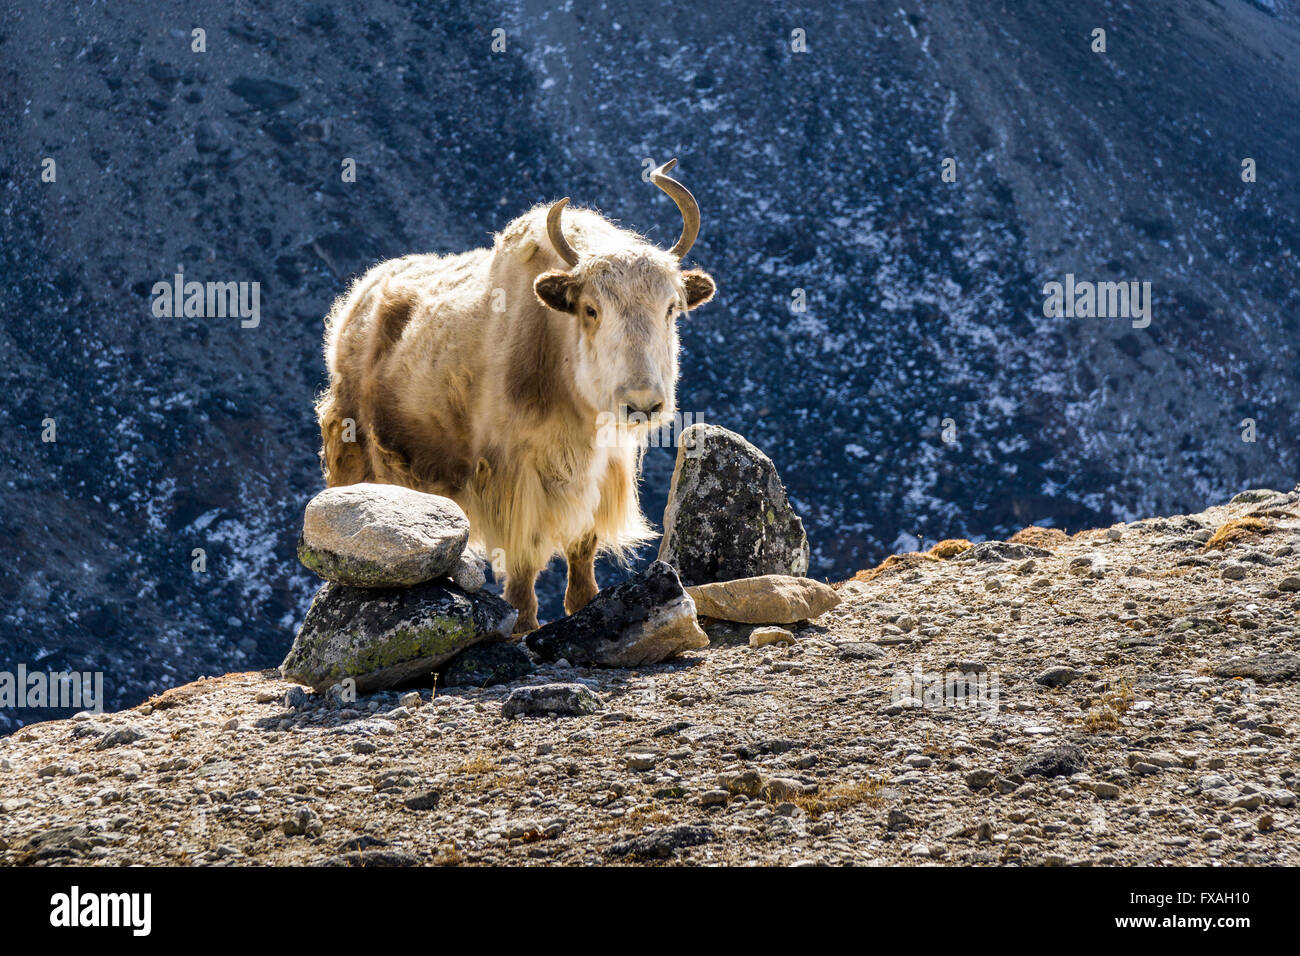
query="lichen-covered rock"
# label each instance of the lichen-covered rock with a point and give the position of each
(551, 700)
(644, 620)
(728, 515)
(372, 535)
(382, 637)
(767, 599)
(485, 665)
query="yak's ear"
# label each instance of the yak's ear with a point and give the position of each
(699, 287)
(558, 290)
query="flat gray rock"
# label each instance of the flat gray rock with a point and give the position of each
(372, 535)
(728, 516)
(382, 637)
(551, 700)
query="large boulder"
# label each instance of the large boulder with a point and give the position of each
(383, 637)
(728, 515)
(646, 619)
(372, 535)
(767, 599)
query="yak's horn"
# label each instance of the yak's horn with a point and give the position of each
(556, 233)
(685, 202)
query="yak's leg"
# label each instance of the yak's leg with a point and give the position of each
(581, 558)
(522, 597)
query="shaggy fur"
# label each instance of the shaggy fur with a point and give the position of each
(485, 378)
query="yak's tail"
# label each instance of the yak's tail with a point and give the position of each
(342, 454)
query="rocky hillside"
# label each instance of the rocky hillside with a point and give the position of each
(1130, 697)
(817, 170)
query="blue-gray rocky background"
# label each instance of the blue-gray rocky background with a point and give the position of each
(817, 170)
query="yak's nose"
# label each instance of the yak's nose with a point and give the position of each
(641, 401)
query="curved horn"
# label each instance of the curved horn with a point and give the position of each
(685, 202)
(556, 234)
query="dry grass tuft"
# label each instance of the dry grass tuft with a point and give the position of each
(1237, 530)
(949, 548)
(1104, 718)
(477, 765)
(840, 796)
(1039, 537)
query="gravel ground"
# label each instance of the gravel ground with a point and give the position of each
(1132, 699)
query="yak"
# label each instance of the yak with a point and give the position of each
(520, 381)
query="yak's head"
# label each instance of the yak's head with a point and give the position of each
(627, 300)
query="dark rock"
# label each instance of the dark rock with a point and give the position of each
(1057, 676)
(728, 515)
(1001, 551)
(558, 700)
(726, 632)
(662, 844)
(1264, 668)
(263, 94)
(428, 800)
(116, 738)
(1060, 761)
(382, 637)
(646, 619)
(485, 665)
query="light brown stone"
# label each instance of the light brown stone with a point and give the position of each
(768, 599)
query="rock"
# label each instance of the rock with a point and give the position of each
(425, 800)
(860, 651)
(979, 779)
(898, 820)
(263, 94)
(558, 700)
(1289, 583)
(763, 636)
(728, 516)
(1001, 551)
(468, 574)
(767, 599)
(1264, 668)
(485, 665)
(646, 619)
(725, 632)
(1256, 495)
(747, 783)
(117, 738)
(295, 698)
(1057, 676)
(1061, 761)
(383, 637)
(1106, 791)
(304, 822)
(371, 535)
(662, 844)
(1233, 572)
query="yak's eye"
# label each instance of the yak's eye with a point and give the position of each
(671, 310)
(591, 312)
